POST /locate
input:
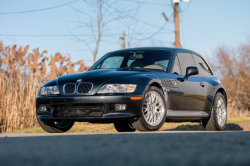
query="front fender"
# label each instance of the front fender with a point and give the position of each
(222, 89)
(53, 82)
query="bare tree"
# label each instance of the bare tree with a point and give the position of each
(137, 30)
(232, 66)
(97, 20)
(95, 23)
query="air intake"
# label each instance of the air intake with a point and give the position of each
(80, 110)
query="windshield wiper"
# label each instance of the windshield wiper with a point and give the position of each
(94, 69)
(129, 68)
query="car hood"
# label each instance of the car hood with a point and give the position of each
(99, 76)
(105, 76)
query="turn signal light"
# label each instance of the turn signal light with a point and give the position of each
(136, 98)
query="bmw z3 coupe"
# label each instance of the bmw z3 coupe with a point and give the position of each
(136, 89)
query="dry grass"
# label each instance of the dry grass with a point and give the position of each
(233, 124)
(21, 75)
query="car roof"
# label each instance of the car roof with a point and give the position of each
(159, 48)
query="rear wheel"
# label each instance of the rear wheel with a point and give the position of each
(55, 126)
(218, 117)
(153, 113)
(124, 127)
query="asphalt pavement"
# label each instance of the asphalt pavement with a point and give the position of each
(125, 149)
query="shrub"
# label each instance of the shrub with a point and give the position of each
(232, 65)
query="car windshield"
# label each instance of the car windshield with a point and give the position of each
(146, 59)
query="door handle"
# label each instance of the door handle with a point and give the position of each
(202, 84)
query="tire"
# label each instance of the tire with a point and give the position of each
(51, 126)
(124, 127)
(142, 123)
(212, 123)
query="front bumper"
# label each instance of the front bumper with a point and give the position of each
(133, 109)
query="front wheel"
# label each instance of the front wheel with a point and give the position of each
(55, 126)
(153, 113)
(218, 117)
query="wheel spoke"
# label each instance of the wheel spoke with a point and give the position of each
(159, 106)
(146, 114)
(154, 118)
(150, 118)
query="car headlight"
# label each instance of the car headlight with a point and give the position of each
(117, 88)
(49, 90)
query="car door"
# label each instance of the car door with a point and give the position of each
(205, 76)
(192, 92)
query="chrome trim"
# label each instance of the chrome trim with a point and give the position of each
(69, 93)
(82, 83)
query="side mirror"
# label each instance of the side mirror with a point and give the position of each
(189, 71)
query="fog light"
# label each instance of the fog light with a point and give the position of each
(42, 108)
(120, 107)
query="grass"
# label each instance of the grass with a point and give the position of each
(233, 123)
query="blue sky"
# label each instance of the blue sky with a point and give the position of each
(204, 24)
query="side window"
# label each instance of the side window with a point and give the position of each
(112, 62)
(176, 68)
(186, 60)
(202, 66)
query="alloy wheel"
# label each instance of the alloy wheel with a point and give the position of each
(153, 108)
(221, 113)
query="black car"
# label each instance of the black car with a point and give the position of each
(136, 89)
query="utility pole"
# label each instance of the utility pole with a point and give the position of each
(177, 28)
(177, 43)
(123, 39)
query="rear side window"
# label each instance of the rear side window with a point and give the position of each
(202, 66)
(186, 60)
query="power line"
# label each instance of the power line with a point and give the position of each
(142, 34)
(37, 10)
(126, 26)
(75, 35)
(158, 32)
(181, 11)
(136, 18)
(182, 29)
(148, 3)
(186, 7)
(152, 34)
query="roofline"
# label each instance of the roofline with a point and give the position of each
(158, 48)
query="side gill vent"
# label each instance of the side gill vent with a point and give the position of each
(166, 83)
